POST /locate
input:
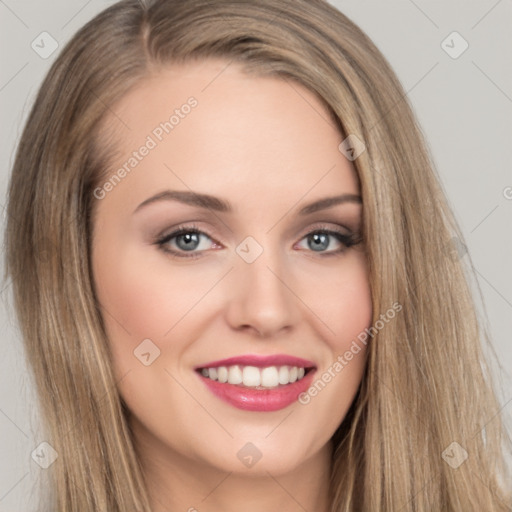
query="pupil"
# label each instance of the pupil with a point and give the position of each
(319, 243)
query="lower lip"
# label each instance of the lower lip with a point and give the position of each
(250, 399)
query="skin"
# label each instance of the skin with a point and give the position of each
(268, 147)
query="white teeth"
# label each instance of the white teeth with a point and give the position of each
(222, 374)
(253, 377)
(269, 377)
(284, 375)
(235, 375)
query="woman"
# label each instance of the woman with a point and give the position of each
(318, 347)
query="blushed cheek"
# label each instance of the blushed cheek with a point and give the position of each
(344, 303)
(144, 300)
(349, 353)
(357, 308)
(155, 302)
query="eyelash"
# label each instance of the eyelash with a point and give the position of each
(346, 240)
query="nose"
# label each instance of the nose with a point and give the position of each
(261, 297)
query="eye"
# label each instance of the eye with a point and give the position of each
(321, 239)
(185, 239)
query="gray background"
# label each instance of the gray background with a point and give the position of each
(464, 106)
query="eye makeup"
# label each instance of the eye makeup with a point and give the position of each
(191, 234)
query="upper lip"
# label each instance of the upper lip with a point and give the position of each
(260, 361)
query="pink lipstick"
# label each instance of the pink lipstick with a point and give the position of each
(256, 382)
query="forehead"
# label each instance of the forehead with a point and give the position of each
(208, 126)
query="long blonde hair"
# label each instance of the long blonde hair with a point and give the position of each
(426, 384)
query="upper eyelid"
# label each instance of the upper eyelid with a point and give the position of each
(316, 226)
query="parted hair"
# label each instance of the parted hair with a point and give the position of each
(427, 382)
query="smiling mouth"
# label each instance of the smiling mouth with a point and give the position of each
(246, 376)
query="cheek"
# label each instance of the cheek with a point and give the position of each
(344, 305)
(145, 296)
(341, 299)
(346, 309)
(354, 308)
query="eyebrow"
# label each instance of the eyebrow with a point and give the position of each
(220, 205)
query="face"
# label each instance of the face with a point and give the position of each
(262, 282)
